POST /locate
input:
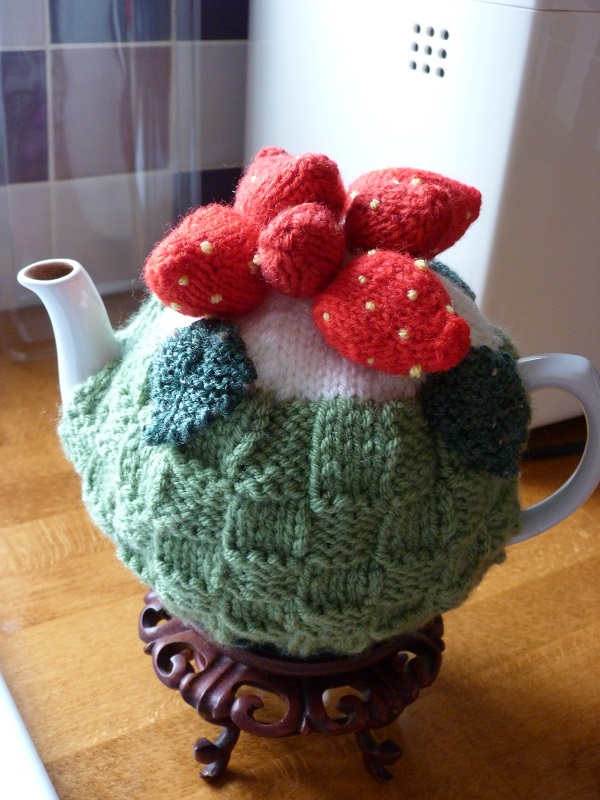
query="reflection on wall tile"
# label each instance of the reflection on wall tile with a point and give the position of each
(30, 210)
(149, 103)
(152, 21)
(110, 225)
(155, 203)
(95, 226)
(24, 104)
(210, 81)
(223, 89)
(187, 193)
(212, 19)
(23, 24)
(146, 122)
(99, 21)
(92, 123)
(25, 235)
(110, 20)
(192, 189)
(110, 110)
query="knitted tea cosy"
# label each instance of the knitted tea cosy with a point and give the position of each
(311, 440)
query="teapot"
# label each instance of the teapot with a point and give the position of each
(308, 436)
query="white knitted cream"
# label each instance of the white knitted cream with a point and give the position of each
(293, 360)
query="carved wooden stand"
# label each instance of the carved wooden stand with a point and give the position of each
(211, 678)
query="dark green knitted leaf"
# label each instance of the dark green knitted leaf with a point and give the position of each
(199, 375)
(481, 410)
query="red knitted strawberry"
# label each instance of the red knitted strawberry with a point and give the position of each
(385, 310)
(297, 201)
(207, 266)
(388, 311)
(276, 180)
(301, 250)
(413, 211)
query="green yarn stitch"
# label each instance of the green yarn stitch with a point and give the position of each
(309, 526)
(481, 410)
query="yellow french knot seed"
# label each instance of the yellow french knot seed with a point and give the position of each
(371, 252)
(370, 305)
(370, 361)
(326, 316)
(375, 203)
(416, 181)
(362, 279)
(216, 298)
(403, 333)
(450, 309)
(412, 294)
(207, 248)
(175, 306)
(420, 263)
(184, 280)
(416, 371)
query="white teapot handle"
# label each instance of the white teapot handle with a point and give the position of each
(576, 375)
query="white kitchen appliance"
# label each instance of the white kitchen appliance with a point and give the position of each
(502, 95)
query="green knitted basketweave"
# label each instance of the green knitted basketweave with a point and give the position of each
(308, 526)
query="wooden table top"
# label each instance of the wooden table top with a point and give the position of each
(515, 712)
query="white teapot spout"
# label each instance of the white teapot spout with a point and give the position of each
(85, 340)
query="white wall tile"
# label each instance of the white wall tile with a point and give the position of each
(25, 236)
(92, 127)
(110, 223)
(154, 191)
(22, 23)
(94, 224)
(209, 81)
(110, 110)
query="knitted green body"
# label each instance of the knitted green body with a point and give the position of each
(310, 526)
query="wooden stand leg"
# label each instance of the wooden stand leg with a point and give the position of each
(377, 757)
(216, 754)
(209, 676)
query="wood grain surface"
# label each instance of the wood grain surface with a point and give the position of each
(515, 712)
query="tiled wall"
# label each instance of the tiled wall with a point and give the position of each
(115, 117)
